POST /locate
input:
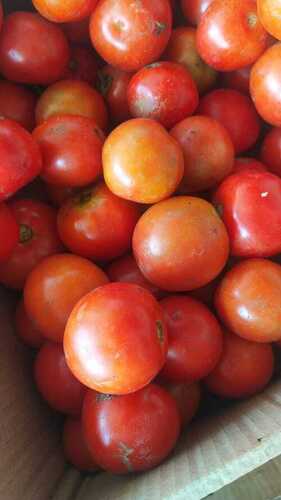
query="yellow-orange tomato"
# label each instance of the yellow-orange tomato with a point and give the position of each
(269, 12)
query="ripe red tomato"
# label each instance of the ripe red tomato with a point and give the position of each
(244, 369)
(78, 31)
(66, 278)
(243, 127)
(208, 153)
(142, 162)
(182, 49)
(25, 328)
(63, 12)
(187, 397)
(129, 34)
(181, 243)
(75, 447)
(20, 158)
(123, 327)
(206, 293)
(230, 34)
(55, 382)
(83, 65)
(72, 97)
(193, 10)
(57, 195)
(269, 12)
(248, 165)
(17, 103)
(32, 50)
(271, 150)
(238, 79)
(250, 206)
(71, 148)
(248, 300)
(113, 84)
(97, 224)
(131, 433)
(9, 230)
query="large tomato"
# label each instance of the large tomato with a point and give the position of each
(269, 12)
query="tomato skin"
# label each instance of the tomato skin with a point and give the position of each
(248, 165)
(180, 244)
(55, 381)
(39, 58)
(57, 195)
(75, 448)
(238, 79)
(270, 152)
(139, 430)
(71, 148)
(113, 85)
(128, 36)
(269, 12)
(244, 369)
(25, 328)
(78, 31)
(9, 232)
(17, 103)
(193, 10)
(66, 278)
(83, 65)
(142, 162)
(63, 12)
(187, 397)
(134, 348)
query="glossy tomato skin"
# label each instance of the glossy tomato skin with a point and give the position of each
(97, 224)
(113, 85)
(193, 10)
(243, 127)
(131, 433)
(238, 79)
(128, 35)
(72, 97)
(20, 158)
(83, 65)
(248, 300)
(245, 164)
(247, 202)
(55, 381)
(71, 148)
(269, 12)
(245, 368)
(187, 397)
(132, 351)
(78, 31)
(9, 229)
(75, 447)
(162, 91)
(230, 34)
(182, 49)
(17, 103)
(25, 328)
(41, 57)
(180, 244)
(66, 278)
(208, 153)
(63, 12)
(142, 162)
(271, 150)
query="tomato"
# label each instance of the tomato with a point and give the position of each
(71, 148)
(32, 50)
(17, 103)
(238, 79)
(206, 293)
(247, 202)
(248, 165)
(244, 369)
(55, 381)
(66, 278)
(57, 195)
(181, 243)
(131, 433)
(163, 91)
(193, 10)
(75, 448)
(38, 238)
(83, 65)
(230, 34)
(243, 127)
(142, 162)
(97, 224)
(25, 328)
(78, 31)
(271, 150)
(1, 15)
(63, 12)
(269, 12)
(130, 34)
(113, 84)
(125, 270)
(9, 230)
(72, 97)
(187, 397)
(208, 152)
(182, 49)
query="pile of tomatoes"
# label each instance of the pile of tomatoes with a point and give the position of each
(140, 211)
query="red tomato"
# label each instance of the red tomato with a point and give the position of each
(131, 433)
(206, 293)
(129, 34)
(38, 238)
(195, 340)
(32, 50)
(248, 165)
(142, 162)
(17, 103)
(193, 10)
(83, 65)
(250, 206)
(230, 34)
(75, 448)
(71, 148)
(244, 369)
(63, 12)
(25, 328)
(97, 224)
(271, 151)
(187, 397)
(208, 153)
(248, 300)
(72, 97)
(66, 278)
(113, 84)
(1, 15)
(57, 195)
(181, 243)
(9, 230)
(55, 381)
(269, 12)
(238, 79)
(20, 158)
(123, 327)
(243, 127)
(78, 31)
